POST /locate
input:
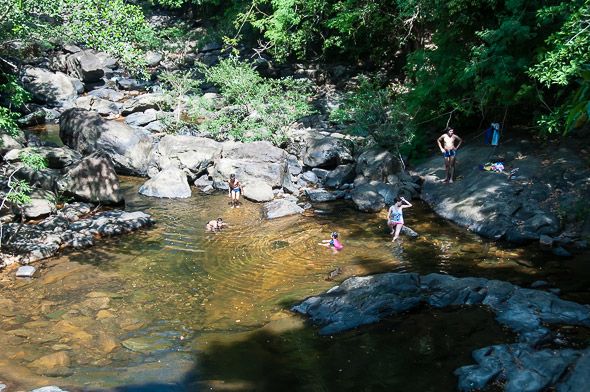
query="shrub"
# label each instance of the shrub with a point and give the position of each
(371, 111)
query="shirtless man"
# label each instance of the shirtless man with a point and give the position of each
(449, 151)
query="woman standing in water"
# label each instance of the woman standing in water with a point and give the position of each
(235, 189)
(395, 216)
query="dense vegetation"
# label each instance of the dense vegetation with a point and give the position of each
(525, 63)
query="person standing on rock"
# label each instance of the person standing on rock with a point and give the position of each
(395, 216)
(446, 143)
(235, 189)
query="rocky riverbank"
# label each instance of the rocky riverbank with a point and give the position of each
(540, 359)
(543, 201)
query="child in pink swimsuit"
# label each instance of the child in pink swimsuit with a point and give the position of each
(333, 243)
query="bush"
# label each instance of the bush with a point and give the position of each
(371, 111)
(255, 108)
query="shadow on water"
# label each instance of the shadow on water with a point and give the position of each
(409, 352)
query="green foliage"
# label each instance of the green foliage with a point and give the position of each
(7, 122)
(19, 192)
(371, 110)
(113, 26)
(33, 159)
(260, 109)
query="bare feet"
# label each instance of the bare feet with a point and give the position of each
(450, 181)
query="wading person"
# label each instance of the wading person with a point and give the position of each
(235, 189)
(446, 143)
(216, 225)
(333, 243)
(395, 216)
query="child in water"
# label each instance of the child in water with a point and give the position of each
(216, 225)
(333, 243)
(235, 190)
(395, 216)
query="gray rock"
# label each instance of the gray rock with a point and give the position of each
(86, 66)
(203, 181)
(293, 165)
(131, 84)
(189, 153)
(49, 389)
(343, 174)
(8, 142)
(143, 102)
(153, 58)
(99, 105)
(545, 241)
(93, 179)
(579, 377)
(78, 85)
(55, 157)
(310, 177)
(543, 223)
(281, 207)
(129, 148)
(378, 165)
(49, 88)
(320, 195)
(258, 191)
(25, 271)
(108, 94)
(41, 205)
(169, 183)
(251, 162)
(139, 119)
(327, 152)
(367, 198)
(561, 252)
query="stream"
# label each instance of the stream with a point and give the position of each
(174, 308)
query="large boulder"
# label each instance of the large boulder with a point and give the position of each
(341, 175)
(327, 152)
(169, 183)
(93, 179)
(99, 105)
(10, 142)
(85, 65)
(367, 198)
(281, 207)
(49, 88)
(129, 148)
(55, 157)
(189, 153)
(143, 102)
(251, 163)
(258, 191)
(377, 164)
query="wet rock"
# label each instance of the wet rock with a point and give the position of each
(52, 363)
(85, 65)
(188, 153)
(26, 271)
(327, 152)
(146, 344)
(87, 132)
(545, 241)
(169, 183)
(48, 87)
(281, 207)
(258, 191)
(578, 378)
(141, 103)
(93, 179)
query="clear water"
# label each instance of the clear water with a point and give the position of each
(176, 308)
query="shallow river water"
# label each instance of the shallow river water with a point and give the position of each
(174, 308)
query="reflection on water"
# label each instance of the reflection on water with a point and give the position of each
(175, 306)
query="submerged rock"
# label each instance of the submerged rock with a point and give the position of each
(363, 300)
(26, 271)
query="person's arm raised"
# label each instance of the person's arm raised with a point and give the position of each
(408, 204)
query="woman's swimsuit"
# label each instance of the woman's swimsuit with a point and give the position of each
(396, 217)
(336, 244)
